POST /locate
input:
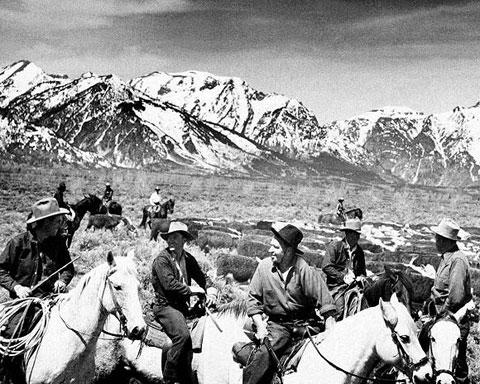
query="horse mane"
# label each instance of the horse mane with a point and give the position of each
(237, 307)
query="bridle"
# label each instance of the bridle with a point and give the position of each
(454, 351)
(409, 365)
(118, 311)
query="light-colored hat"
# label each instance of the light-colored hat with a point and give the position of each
(447, 228)
(177, 226)
(44, 208)
(354, 225)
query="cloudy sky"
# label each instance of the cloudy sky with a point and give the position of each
(340, 58)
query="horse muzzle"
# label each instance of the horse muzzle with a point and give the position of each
(136, 333)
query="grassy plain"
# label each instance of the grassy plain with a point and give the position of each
(221, 197)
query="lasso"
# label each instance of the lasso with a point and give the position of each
(17, 346)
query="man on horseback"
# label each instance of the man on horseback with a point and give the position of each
(286, 290)
(155, 200)
(108, 194)
(344, 263)
(59, 195)
(26, 259)
(340, 210)
(172, 273)
(452, 287)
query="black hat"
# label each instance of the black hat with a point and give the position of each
(289, 234)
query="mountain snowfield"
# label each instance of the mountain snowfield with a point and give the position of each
(221, 124)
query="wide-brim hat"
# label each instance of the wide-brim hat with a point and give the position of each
(354, 225)
(45, 208)
(289, 234)
(177, 226)
(447, 228)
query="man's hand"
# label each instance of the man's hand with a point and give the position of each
(59, 286)
(349, 278)
(211, 297)
(21, 291)
(329, 323)
(260, 326)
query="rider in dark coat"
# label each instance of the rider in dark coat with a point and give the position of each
(344, 262)
(59, 195)
(172, 273)
(108, 194)
(26, 260)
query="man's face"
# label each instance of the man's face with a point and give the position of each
(442, 244)
(51, 225)
(352, 238)
(176, 240)
(276, 251)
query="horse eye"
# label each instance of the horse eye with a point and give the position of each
(432, 339)
(117, 287)
(405, 338)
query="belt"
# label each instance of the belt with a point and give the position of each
(285, 318)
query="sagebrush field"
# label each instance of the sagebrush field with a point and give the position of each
(217, 197)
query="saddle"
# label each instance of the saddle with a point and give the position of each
(243, 351)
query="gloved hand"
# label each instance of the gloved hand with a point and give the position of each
(59, 286)
(261, 334)
(21, 291)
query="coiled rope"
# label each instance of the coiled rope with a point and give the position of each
(17, 309)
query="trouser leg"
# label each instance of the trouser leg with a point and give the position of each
(261, 368)
(461, 369)
(179, 356)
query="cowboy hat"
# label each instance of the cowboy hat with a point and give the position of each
(44, 208)
(354, 225)
(447, 228)
(177, 226)
(289, 234)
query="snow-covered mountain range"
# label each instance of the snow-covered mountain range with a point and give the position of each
(221, 124)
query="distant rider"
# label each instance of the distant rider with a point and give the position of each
(108, 195)
(155, 199)
(59, 195)
(341, 209)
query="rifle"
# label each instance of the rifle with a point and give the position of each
(272, 353)
(35, 287)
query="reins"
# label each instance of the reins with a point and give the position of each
(121, 316)
(405, 357)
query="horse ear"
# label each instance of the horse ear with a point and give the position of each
(389, 313)
(110, 259)
(394, 299)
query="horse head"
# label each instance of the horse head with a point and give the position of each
(443, 339)
(170, 206)
(121, 297)
(442, 336)
(95, 203)
(399, 346)
(400, 284)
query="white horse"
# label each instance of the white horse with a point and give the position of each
(66, 351)
(353, 347)
(442, 335)
(118, 359)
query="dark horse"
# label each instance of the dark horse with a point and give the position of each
(359, 297)
(90, 203)
(112, 208)
(334, 218)
(157, 212)
(390, 282)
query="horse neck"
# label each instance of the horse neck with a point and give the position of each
(351, 343)
(82, 309)
(81, 208)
